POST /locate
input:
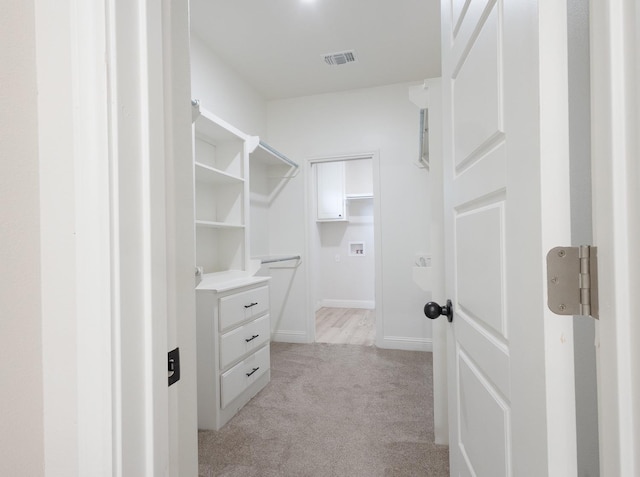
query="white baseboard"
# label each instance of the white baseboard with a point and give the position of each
(388, 342)
(406, 344)
(285, 336)
(365, 304)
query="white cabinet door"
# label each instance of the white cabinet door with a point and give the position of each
(506, 176)
(330, 190)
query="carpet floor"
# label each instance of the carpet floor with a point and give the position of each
(332, 410)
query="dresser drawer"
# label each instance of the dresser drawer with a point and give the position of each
(239, 307)
(241, 341)
(242, 375)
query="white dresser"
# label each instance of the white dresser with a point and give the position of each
(233, 345)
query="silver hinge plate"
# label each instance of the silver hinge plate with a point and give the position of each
(572, 280)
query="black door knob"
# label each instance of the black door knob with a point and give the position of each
(432, 310)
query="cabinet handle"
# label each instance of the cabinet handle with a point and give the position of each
(252, 304)
(252, 338)
(254, 370)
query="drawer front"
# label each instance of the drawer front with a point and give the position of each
(241, 341)
(242, 375)
(239, 307)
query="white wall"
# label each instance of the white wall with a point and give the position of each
(344, 279)
(375, 119)
(349, 280)
(21, 398)
(221, 91)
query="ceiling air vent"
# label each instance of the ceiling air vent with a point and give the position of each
(340, 58)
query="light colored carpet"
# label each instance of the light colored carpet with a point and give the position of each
(332, 410)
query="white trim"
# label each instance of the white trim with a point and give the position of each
(93, 250)
(103, 214)
(433, 88)
(406, 344)
(556, 219)
(616, 179)
(362, 304)
(183, 425)
(154, 229)
(76, 248)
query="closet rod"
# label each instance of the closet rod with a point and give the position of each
(280, 259)
(278, 154)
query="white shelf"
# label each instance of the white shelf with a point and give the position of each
(224, 281)
(216, 129)
(358, 196)
(211, 175)
(218, 225)
(262, 152)
(221, 193)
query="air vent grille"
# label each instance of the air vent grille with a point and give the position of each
(340, 58)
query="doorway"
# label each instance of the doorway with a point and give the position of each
(343, 228)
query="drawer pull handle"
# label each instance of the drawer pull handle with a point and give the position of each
(254, 370)
(252, 338)
(252, 304)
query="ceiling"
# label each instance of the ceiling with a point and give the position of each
(277, 46)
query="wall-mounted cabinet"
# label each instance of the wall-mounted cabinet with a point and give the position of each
(330, 181)
(358, 175)
(338, 183)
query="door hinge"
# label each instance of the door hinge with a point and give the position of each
(572, 280)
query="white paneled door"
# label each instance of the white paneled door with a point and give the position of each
(506, 176)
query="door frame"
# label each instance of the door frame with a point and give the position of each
(615, 129)
(311, 242)
(110, 160)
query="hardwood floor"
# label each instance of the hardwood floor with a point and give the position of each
(346, 326)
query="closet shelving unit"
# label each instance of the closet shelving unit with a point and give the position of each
(221, 195)
(222, 158)
(232, 301)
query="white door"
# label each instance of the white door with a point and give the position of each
(506, 176)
